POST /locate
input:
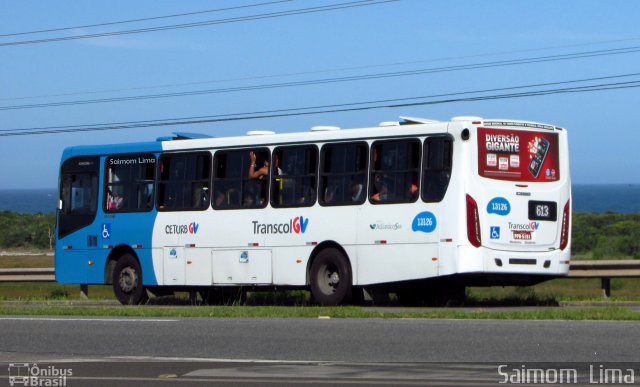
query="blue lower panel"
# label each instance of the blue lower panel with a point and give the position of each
(146, 264)
(72, 267)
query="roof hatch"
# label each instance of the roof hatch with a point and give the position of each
(259, 132)
(416, 120)
(183, 136)
(324, 128)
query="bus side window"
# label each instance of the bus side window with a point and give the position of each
(129, 183)
(241, 178)
(394, 171)
(437, 168)
(343, 174)
(184, 182)
(294, 176)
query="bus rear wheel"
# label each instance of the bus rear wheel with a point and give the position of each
(330, 278)
(127, 281)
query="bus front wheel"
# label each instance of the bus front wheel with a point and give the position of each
(330, 277)
(127, 281)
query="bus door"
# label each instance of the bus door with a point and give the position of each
(78, 194)
(77, 210)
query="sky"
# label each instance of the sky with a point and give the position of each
(247, 56)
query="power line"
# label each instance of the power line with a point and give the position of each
(300, 11)
(146, 19)
(343, 104)
(482, 65)
(338, 69)
(344, 107)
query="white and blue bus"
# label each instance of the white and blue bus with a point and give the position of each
(416, 207)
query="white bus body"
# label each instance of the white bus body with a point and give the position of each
(502, 217)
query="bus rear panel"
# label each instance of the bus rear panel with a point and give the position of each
(518, 203)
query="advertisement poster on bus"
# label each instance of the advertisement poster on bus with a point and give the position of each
(518, 155)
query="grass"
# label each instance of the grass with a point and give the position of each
(607, 313)
(64, 300)
(27, 259)
(546, 294)
(564, 289)
(40, 291)
(295, 304)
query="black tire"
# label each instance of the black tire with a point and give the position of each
(127, 281)
(330, 278)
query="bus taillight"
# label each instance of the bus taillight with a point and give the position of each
(564, 236)
(473, 222)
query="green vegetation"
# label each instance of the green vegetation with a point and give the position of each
(26, 230)
(609, 235)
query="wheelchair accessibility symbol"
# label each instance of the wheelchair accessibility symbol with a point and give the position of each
(495, 232)
(106, 230)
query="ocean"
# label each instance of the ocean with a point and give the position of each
(621, 198)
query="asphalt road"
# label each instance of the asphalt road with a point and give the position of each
(107, 351)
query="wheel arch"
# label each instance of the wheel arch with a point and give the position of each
(112, 259)
(324, 245)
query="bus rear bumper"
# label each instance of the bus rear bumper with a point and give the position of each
(553, 263)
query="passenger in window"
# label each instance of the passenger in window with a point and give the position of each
(233, 197)
(220, 199)
(278, 171)
(380, 189)
(256, 172)
(413, 191)
(202, 197)
(330, 193)
(167, 200)
(115, 202)
(357, 189)
(249, 199)
(148, 193)
(308, 194)
(114, 199)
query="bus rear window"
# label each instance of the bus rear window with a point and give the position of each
(518, 155)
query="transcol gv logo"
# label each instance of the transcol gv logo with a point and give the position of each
(533, 226)
(297, 225)
(523, 231)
